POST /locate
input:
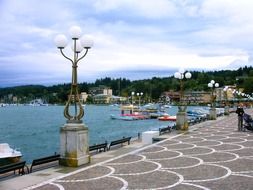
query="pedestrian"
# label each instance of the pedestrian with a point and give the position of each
(240, 113)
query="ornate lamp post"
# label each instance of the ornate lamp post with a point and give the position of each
(132, 97)
(182, 121)
(74, 148)
(226, 108)
(139, 96)
(212, 84)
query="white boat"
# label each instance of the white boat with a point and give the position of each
(2, 105)
(121, 117)
(8, 155)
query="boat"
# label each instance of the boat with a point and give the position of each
(167, 106)
(130, 112)
(2, 105)
(167, 118)
(122, 117)
(8, 155)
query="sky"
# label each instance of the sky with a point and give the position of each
(135, 39)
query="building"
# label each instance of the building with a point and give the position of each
(197, 97)
(101, 99)
(101, 90)
(190, 97)
(83, 97)
(170, 96)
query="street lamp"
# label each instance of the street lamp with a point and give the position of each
(139, 96)
(212, 84)
(132, 97)
(182, 122)
(78, 45)
(226, 107)
(181, 75)
(74, 146)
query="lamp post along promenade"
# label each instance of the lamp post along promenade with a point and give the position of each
(226, 106)
(182, 121)
(212, 114)
(139, 96)
(74, 147)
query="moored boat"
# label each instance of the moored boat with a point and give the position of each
(8, 155)
(122, 117)
(167, 118)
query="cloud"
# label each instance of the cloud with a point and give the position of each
(129, 36)
(143, 8)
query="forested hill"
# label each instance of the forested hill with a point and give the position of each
(243, 78)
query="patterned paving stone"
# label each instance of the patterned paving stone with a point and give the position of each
(243, 152)
(171, 142)
(153, 149)
(188, 186)
(217, 157)
(204, 172)
(180, 146)
(50, 187)
(238, 134)
(208, 143)
(181, 162)
(107, 183)
(95, 172)
(157, 179)
(233, 140)
(127, 159)
(248, 143)
(193, 139)
(215, 137)
(232, 183)
(136, 168)
(228, 147)
(197, 151)
(162, 155)
(240, 165)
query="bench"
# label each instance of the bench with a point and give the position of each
(13, 167)
(120, 141)
(44, 160)
(164, 130)
(98, 147)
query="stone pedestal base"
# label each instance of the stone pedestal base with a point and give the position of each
(147, 136)
(182, 121)
(74, 147)
(212, 114)
(226, 110)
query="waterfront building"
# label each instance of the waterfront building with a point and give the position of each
(197, 97)
(118, 99)
(101, 99)
(172, 96)
(101, 90)
(83, 97)
(191, 97)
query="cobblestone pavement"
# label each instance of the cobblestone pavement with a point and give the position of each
(214, 156)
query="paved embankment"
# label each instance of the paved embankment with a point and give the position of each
(213, 155)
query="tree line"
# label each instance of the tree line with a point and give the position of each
(151, 88)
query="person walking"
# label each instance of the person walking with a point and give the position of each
(240, 113)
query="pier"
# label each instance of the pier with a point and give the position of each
(211, 155)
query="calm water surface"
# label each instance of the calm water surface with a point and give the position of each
(35, 130)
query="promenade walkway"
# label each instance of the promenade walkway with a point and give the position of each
(212, 155)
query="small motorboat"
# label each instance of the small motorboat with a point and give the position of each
(122, 117)
(8, 155)
(167, 118)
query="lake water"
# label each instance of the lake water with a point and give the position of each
(35, 130)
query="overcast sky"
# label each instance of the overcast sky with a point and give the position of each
(132, 38)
